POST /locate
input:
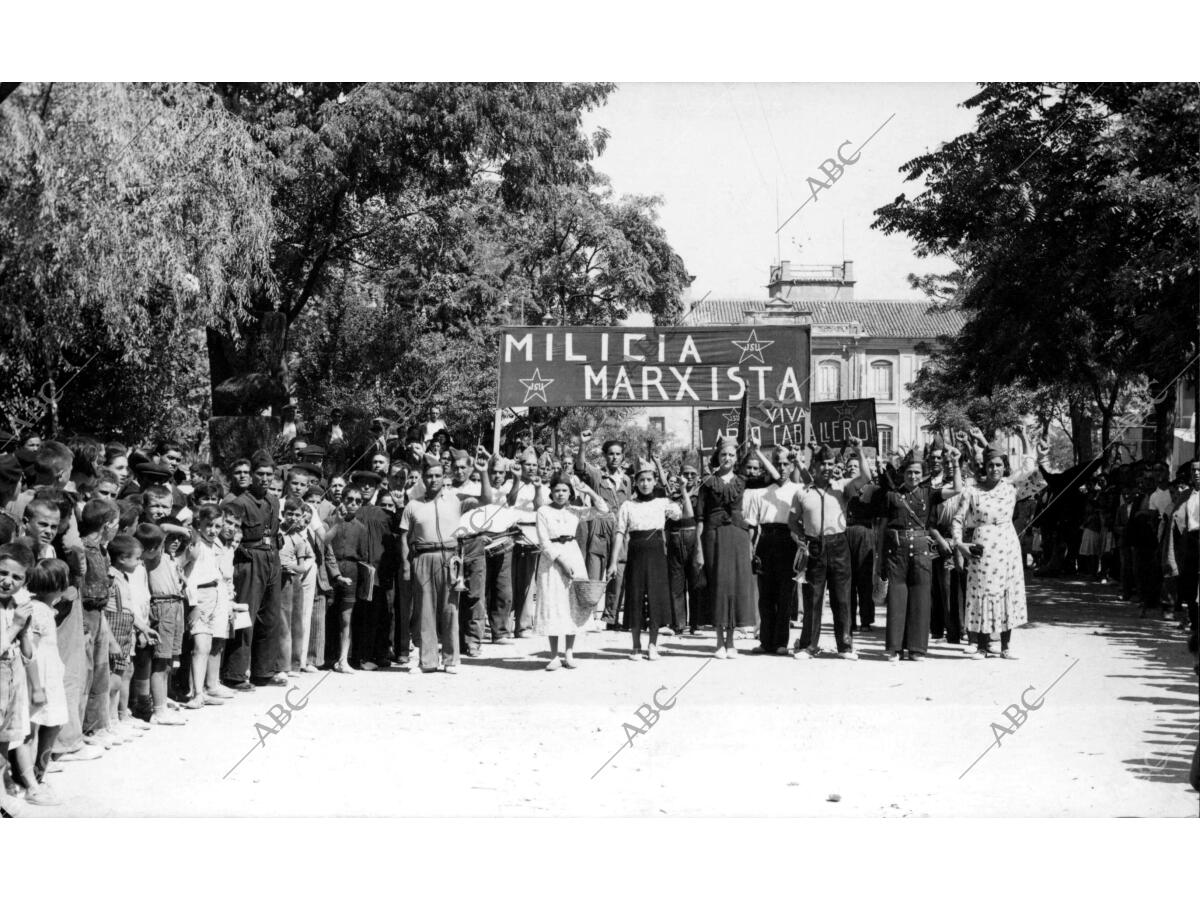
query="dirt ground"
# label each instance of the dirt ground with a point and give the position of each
(747, 737)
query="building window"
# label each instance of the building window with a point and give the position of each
(829, 380)
(658, 424)
(881, 380)
(885, 439)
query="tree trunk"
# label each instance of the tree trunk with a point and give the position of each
(1081, 430)
(1164, 423)
(250, 386)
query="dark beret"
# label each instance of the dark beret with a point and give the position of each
(10, 469)
(364, 477)
(153, 472)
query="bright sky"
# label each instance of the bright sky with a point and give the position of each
(715, 153)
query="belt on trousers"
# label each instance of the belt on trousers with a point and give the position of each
(774, 526)
(565, 539)
(862, 523)
(154, 600)
(434, 548)
(210, 584)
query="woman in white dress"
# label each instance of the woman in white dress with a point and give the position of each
(995, 577)
(560, 563)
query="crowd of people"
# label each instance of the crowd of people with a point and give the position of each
(135, 588)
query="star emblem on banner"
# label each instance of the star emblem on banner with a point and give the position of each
(845, 410)
(752, 347)
(535, 386)
(733, 418)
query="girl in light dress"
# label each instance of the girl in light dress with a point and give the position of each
(47, 582)
(641, 523)
(561, 562)
(16, 651)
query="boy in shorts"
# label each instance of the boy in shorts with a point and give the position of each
(167, 620)
(208, 615)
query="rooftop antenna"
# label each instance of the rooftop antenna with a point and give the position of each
(778, 250)
(843, 239)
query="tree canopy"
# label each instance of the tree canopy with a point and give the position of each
(1070, 212)
(130, 217)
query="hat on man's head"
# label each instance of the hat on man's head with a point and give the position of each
(911, 459)
(644, 465)
(261, 460)
(361, 476)
(456, 453)
(428, 460)
(10, 470)
(153, 472)
(312, 453)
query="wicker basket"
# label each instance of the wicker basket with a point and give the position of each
(585, 597)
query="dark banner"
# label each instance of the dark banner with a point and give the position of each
(836, 421)
(775, 425)
(676, 366)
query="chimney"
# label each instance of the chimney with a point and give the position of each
(848, 271)
(785, 270)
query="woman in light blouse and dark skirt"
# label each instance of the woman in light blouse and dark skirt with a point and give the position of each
(641, 522)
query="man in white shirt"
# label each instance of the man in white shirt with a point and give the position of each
(429, 540)
(819, 518)
(526, 494)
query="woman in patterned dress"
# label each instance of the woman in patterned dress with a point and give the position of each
(995, 578)
(560, 563)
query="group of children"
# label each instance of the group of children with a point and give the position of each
(125, 593)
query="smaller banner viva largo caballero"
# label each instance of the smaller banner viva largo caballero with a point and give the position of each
(775, 425)
(836, 421)
(671, 366)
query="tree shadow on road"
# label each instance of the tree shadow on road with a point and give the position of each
(1167, 679)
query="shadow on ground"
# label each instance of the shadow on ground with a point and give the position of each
(1168, 683)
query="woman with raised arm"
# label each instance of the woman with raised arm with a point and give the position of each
(995, 577)
(641, 527)
(724, 549)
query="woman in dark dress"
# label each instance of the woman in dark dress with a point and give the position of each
(724, 548)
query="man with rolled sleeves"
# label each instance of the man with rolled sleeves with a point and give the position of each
(526, 495)
(253, 654)
(429, 531)
(819, 518)
(614, 486)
